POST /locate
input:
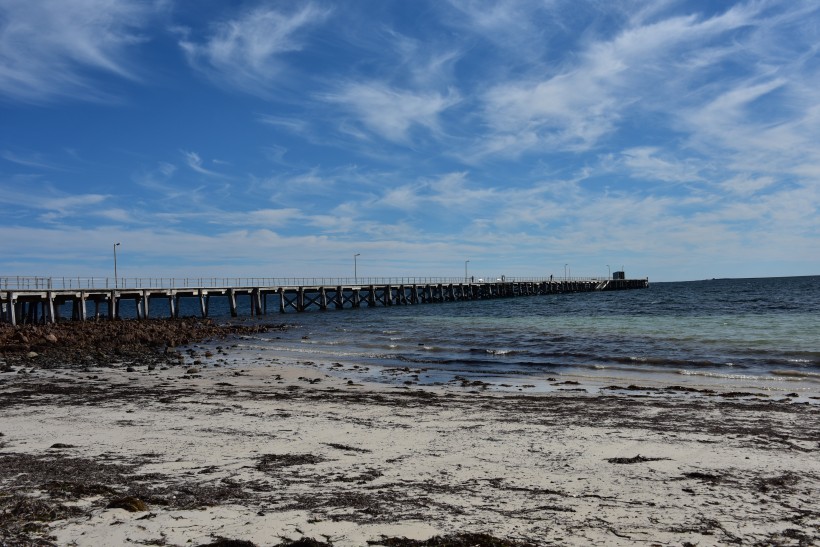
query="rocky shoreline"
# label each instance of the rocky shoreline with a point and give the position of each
(99, 343)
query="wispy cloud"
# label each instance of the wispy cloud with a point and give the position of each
(52, 49)
(581, 100)
(33, 160)
(246, 52)
(649, 163)
(392, 113)
(195, 163)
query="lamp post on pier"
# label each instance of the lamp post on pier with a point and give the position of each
(565, 272)
(355, 269)
(465, 270)
(609, 272)
(116, 282)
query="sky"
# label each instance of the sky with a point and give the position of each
(677, 140)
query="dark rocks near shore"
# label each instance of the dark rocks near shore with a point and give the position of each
(101, 342)
(129, 503)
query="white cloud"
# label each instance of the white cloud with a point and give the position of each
(392, 113)
(574, 105)
(246, 52)
(195, 163)
(51, 49)
(271, 217)
(653, 164)
(34, 160)
(68, 203)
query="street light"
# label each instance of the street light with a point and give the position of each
(565, 271)
(355, 269)
(609, 271)
(115, 265)
(465, 269)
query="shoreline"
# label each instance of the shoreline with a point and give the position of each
(251, 350)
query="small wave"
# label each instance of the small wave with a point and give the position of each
(797, 374)
(776, 376)
(720, 375)
(495, 351)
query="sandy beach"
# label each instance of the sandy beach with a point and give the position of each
(195, 454)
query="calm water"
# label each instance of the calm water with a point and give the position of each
(742, 333)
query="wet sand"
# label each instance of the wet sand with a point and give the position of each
(285, 451)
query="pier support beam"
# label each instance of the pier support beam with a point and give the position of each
(10, 301)
(203, 303)
(256, 302)
(50, 307)
(232, 302)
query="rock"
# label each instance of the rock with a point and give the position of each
(226, 542)
(51, 338)
(129, 503)
(129, 369)
(192, 370)
(31, 354)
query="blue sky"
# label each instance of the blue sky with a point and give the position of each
(679, 139)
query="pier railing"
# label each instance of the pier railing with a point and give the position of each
(26, 283)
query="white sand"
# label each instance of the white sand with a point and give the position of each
(392, 462)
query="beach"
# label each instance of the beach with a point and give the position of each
(200, 450)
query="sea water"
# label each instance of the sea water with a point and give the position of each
(737, 334)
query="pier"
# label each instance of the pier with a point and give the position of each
(48, 300)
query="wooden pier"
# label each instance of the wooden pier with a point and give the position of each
(35, 300)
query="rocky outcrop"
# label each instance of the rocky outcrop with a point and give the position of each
(100, 342)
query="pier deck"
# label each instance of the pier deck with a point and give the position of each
(33, 300)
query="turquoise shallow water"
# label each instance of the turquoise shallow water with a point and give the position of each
(762, 333)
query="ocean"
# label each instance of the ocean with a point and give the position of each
(735, 334)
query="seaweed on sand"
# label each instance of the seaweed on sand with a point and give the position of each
(457, 540)
(23, 519)
(635, 459)
(34, 487)
(270, 462)
(225, 542)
